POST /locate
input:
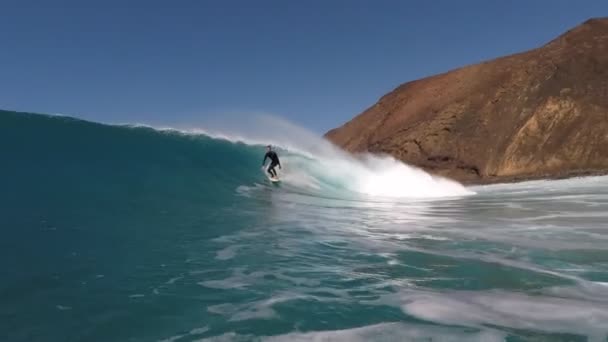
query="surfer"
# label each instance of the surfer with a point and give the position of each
(274, 161)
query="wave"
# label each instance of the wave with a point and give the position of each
(223, 160)
(314, 163)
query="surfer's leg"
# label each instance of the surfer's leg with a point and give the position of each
(271, 171)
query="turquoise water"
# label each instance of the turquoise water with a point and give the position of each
(115, 233)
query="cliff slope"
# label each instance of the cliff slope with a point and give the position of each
(541, 113)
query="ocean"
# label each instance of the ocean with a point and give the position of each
(130, 233)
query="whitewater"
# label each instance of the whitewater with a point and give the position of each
(130, 233)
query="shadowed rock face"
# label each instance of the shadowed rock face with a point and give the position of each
(542, 113)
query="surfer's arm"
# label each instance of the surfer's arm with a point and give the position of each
(264, 161)
(279, 162)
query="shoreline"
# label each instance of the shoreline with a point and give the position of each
(526, 178)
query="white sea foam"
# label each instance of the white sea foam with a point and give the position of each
(311, 161)
(377, 332)
(193, 332)
(173, 280)
(227, 253)
(508, 309)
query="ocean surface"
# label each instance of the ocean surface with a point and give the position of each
(128, 233)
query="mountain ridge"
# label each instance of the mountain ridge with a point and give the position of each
(534, 114)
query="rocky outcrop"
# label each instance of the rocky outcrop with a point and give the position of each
(541, 113)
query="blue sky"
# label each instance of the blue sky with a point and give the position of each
(317, 63)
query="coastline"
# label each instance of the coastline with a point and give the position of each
(525, 178)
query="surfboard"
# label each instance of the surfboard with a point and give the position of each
(273, 179)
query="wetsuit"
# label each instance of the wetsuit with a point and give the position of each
(274, 161)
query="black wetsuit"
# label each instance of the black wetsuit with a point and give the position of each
(274, 161)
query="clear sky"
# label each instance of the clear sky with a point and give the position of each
(317, 63)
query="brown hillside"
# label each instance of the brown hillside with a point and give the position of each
(542, 113)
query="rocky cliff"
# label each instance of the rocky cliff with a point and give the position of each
(541, 113)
